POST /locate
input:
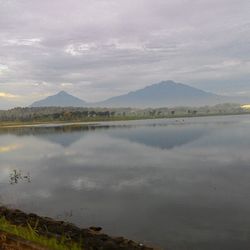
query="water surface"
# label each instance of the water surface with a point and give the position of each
(180, 184)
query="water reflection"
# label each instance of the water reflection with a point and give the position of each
(9, 148)
(181, 186)
(62, 135)
(162, 135)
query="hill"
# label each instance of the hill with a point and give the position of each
(61, 99)
(166, 93)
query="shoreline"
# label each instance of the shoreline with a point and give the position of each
(94, 123)
(91, 238)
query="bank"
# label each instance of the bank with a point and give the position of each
(69, 235)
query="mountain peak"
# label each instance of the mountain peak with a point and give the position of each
(62, 92)
(61, 99)
(167, 82)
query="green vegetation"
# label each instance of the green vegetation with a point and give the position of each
(22, 116)
(30, 234)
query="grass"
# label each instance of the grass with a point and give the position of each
(30, 234)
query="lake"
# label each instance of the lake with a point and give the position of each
(174, 183)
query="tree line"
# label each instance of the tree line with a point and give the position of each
(30, 114)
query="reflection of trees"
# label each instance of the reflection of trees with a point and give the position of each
(19, 131)
(64, 135)
(16, 176)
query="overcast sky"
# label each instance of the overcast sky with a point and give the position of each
(96, 49)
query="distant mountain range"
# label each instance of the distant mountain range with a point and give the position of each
(166, 93)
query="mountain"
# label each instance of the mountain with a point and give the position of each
(166, 93)
(163, 94)
(61, 99)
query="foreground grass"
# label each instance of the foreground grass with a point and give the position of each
(30, 234)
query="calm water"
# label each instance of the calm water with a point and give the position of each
(179, 184)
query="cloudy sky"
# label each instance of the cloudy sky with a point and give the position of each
(101, 48)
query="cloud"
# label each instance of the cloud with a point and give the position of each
(127, 45)
(224, 64)
(7, 95)
(23, 42)
(118, 46)
(79, 49)
(67, 84)
(3, 68)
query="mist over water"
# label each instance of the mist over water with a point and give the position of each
(179, 184)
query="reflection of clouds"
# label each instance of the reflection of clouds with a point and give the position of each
(9, 148)
(120, 184)
(131, 183)
(29, 154)
(5, 172)
(43, 194)
(102, 153)
(105, 151)
(116, 159)
(84, 183)
(109, 180)
(225, 146)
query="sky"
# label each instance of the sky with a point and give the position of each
(101, 48)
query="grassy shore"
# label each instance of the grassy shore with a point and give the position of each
(14, 235)
(60, 235)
